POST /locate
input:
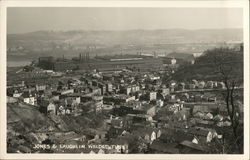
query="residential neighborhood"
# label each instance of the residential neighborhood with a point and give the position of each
(136, 110)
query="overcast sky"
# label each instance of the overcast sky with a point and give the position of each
(21, 20)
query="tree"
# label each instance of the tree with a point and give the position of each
(222, 65)
(226, 65)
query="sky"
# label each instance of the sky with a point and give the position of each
(30, 19)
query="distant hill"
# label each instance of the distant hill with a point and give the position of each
(71, 43)
(133, 37)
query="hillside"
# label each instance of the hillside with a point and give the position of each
(209, 65)
(24, 118)
(26, 126)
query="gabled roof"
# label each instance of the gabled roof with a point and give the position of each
(177, 136)
(145, 131)
(198, 131)
(28, 94)
(116, 122)
(201, 108)
(124, 140)
(194, 146)
(164, 147)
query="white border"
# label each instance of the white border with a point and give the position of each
(161, 4)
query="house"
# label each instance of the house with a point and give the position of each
(201, 84)
(98, 102)
(85, 98)
(181, 86)
(66, 91)
(118, 99)
(152, 96)
(62, 85)
(75, 97)
(165, 91)
(148, 134)
(209, 116)
(88, 81)
(160, 103)
(198, 97)
(202, 135)
(109, 77)
(173, 61)
(51, 108)
(221, 85)
(40, 87)
(158, 146)
(134, 104)
(96, 90)
(170, 135)
(224, 123)
(109, 87)
(209, 85)
(47, 107)
(218, 118)
(107, 107)
(188, 147)
(209, 97)
(135, 119)
(183, 114)
(117, 123)
(12, 100)
(151, 110)
(61, 109)
(14, 92)
(202, 111)
(126, 89)
(184, 97)
(95, 83)
(202, 122)
(121, 144)
(191, 86)
(135, 88)
(138, 95)
(195, 82)
(29, 97)
(102, 87)
(114, 132)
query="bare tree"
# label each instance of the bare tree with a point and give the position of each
(228, 68)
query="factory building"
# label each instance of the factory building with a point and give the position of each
(83, 62)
